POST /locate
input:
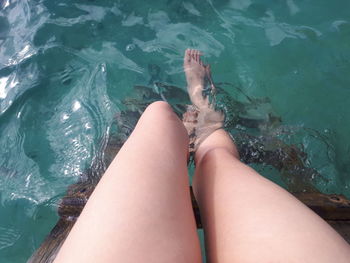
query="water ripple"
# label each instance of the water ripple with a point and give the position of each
(81, 119)
(8, 237)
(13, 83)
(66, 67)
(25, 19)
(110, 54)
(19, 179)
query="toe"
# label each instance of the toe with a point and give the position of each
(198, 58)
(193, 54)
(187, 57)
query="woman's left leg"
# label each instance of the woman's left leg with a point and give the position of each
(141, 209)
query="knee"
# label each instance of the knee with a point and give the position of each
(161, 114)
(159, 107)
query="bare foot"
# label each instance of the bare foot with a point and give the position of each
(202, 118)
(195, 73)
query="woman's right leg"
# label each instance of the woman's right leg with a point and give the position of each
(248, 218)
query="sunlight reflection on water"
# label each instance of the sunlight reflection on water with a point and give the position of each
(67, 66)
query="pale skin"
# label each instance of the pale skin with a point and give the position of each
(141, 209)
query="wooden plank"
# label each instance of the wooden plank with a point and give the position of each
(329, 207)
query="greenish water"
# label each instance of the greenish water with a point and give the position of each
(65, 67)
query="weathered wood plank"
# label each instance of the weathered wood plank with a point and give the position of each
(329, 207)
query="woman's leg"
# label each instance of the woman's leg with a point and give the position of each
(247, 218)
(141, 210)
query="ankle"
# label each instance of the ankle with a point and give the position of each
(219, 140)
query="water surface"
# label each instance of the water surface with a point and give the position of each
(66, 66)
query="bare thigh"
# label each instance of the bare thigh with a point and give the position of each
(141, 210)
(247, 218)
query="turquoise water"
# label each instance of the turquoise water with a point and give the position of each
(66, 66)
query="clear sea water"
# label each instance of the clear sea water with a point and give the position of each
(65, 67)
